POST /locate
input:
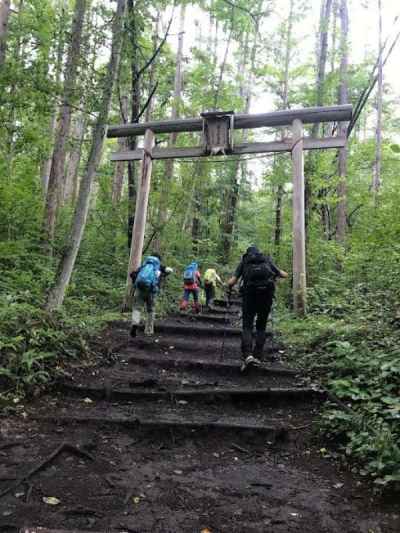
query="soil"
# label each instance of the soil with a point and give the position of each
(168, 435)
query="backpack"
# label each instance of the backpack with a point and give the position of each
(189, 275)
(148, 274)
(257, 270)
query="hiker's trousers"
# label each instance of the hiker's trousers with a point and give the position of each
(144, 299)
(209, 289)
(256, 305)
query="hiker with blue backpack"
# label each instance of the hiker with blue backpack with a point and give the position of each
(191, 286)
(146, 283)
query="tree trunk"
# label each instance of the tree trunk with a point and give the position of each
(322, 58)
(134, 33)
(341, 216)
(228, 224)
(223, 66)
(119, 170)
(5, 10)
(46, 166)
(322, 54)
(196, 203)
(169, 164)
(285, 103)
(59, 154)
(232, 193)
(56, 295)
(333, 36)
(152, 71)
(74, 159)
(376, 179)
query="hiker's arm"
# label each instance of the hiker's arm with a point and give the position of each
(219, 280)
(133, 275)
(235, 278)
(165, 271)
(277, 271)
(232, 281)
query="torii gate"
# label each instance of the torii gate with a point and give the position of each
(217, 135)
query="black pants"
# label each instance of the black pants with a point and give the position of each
(256, 304)
(209, 290)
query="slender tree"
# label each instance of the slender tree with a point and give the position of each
(66, 266)
(285, 103)
(71, 186)
(176, 102)
(341, 217)
(46, 165)
(119, 170)
(60, 148)
(5, 9)
(376, 179)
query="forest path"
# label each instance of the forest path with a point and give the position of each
(168, 435)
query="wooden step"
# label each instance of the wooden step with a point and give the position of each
(208, 317)
(217, 365)
(267, 394)
(209, 423)
(234, 302)
(196, 330)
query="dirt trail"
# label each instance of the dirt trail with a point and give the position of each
(167, 435)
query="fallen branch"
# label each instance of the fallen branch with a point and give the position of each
(11, 444)
(239, 448)
(64, 446)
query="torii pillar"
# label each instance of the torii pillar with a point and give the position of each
(299, 230)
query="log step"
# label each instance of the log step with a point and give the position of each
(274, 431)
(268, 394)
(223, 367)
(196, 331)
(46, 530)
(224, 303)
(213, 318)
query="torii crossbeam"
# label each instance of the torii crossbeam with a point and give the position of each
(217, 136)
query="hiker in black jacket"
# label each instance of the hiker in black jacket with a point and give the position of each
(258, 274)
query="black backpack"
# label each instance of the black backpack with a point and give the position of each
(257, 271)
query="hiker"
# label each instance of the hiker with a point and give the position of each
(211, 279)
(146, 282)
(191, 286)
(258, 274)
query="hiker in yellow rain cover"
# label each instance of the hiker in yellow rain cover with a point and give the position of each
(211, 279)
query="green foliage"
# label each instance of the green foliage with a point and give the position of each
(360, 365)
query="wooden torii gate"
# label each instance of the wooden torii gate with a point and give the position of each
(217, 135)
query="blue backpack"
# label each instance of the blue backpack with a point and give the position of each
(148, 274)
(189, 275)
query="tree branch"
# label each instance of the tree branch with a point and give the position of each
(253, 16)
(353, 213)
(156, 51)
(146, 105)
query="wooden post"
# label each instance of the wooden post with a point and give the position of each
(142, 200)
(299, 242)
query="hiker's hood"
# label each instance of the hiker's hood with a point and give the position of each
(252, 250)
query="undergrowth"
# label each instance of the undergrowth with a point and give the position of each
(353, 347)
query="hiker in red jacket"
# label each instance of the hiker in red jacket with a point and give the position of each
(191, 286)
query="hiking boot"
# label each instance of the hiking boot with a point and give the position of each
(149, 326)
(249, 360)
(133, 331)
(183, 305)
(196, 308)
